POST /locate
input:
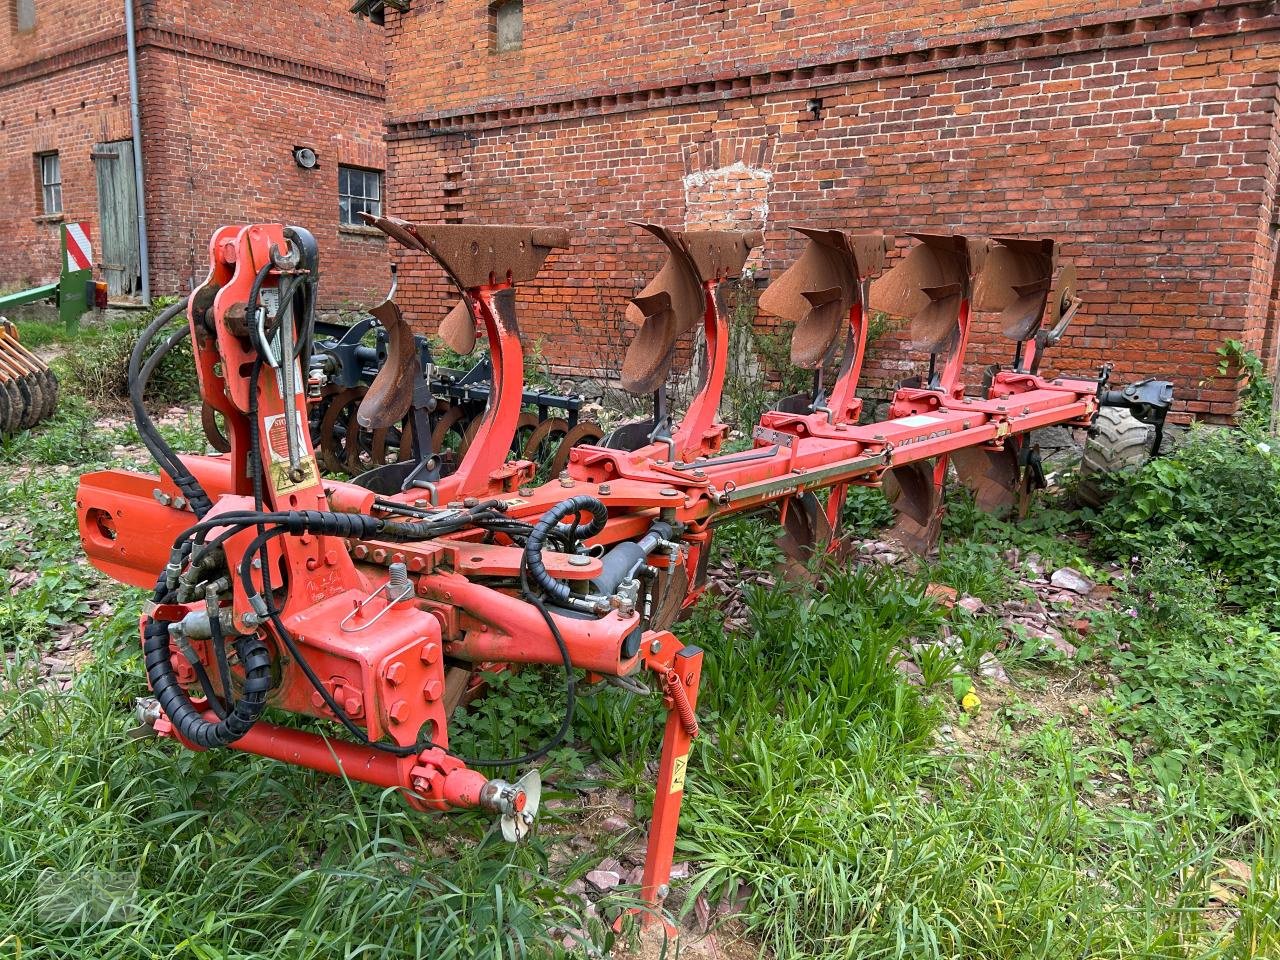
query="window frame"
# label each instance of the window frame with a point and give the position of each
(351, 204)
(50, 191)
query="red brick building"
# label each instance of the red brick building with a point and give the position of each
(1143, 135)
(227, 93)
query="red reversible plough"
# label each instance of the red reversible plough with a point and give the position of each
(381, 607)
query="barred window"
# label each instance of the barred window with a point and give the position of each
(359, 191)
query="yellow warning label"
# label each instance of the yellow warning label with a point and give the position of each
(678, 771)
(282, 483)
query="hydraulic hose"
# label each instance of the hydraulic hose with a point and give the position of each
(559, 592)
(186, 717)
(139, 374)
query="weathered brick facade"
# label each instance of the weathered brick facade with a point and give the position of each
(1143, 136)
(227, 93)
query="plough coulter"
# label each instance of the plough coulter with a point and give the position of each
(381, 604)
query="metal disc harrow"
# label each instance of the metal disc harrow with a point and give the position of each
(347, 361)
(28, 388)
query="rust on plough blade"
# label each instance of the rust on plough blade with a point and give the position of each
(916, 497)
(994, 476)
(391, 393)
(817, 292)
(1015, 283)
(458, 329)
(805, 528)
(674, 301)
(474, 256)
(929, 285)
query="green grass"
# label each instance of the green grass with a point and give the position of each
(826, 794)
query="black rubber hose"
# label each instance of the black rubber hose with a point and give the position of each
(559, 592)
(187, 719)
(139, 373)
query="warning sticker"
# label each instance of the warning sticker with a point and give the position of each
(919, 420)
(278, 450)
(678, 771)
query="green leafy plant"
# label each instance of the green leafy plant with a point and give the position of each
(1216, 500)
(1257, 390)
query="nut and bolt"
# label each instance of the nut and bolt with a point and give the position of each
(605, 490)
(565, 479)
(396, 673)
(432, 689)
(669, 492)
(398, 584)
(430, 653)
(579, 561)
(399, 713)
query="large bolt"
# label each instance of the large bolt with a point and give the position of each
(432, 689)
(399, 712)
(430, 653)
(379, 555)
(395, 673)
(361, 551)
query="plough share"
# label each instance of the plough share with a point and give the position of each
(380, 605)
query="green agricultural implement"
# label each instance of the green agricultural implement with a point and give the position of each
(75, 292)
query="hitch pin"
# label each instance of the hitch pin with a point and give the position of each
(398, 587)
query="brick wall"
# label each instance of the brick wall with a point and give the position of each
(63, 87)
(1141, 138)
(222, 154)
(225, 99)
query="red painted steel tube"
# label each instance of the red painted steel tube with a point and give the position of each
(337, 757)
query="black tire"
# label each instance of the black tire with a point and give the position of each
(1117, 442)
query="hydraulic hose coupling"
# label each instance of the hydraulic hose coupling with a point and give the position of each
(560, 593)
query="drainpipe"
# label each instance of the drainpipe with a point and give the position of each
(139, 181)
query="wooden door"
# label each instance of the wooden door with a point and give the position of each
(118, 217)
